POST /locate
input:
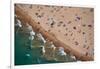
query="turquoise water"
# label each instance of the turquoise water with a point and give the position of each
(24, 55)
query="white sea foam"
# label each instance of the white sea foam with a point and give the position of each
(31, 37)
(41, 37)
(18, 23)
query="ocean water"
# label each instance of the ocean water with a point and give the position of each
(24, 55)
(29, 52)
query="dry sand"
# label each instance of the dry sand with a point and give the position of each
(73, 26)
